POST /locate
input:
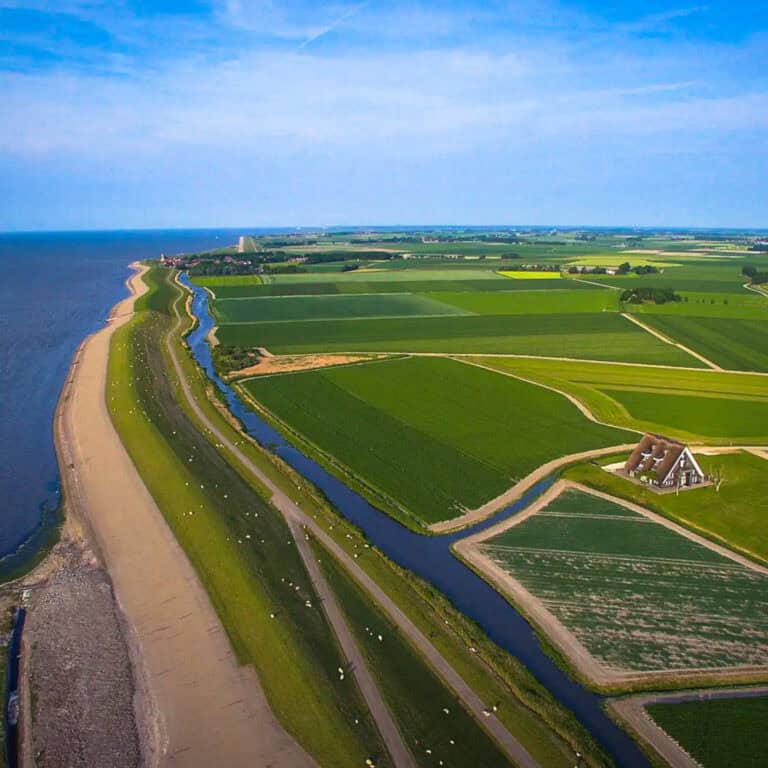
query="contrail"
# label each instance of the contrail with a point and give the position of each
(335, 23)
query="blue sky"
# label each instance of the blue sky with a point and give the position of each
(284, 112)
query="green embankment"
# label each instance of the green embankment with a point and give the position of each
(526, 708)
(738, 344)
(431, 436)
(737, 515)
(433, 722)
(597, 336)
(718, 733)
(239, 545)
(676, 402)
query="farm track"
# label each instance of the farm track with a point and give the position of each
(579, 656)
(632, 710)
(298, 519)
(668, 340)
(199, 705)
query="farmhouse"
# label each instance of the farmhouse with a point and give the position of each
(663, 463)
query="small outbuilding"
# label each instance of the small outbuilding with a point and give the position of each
(663, 463)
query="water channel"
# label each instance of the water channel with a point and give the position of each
(430, 558)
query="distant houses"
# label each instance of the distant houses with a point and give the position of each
(663, 464)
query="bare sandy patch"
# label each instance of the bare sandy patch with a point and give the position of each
(273, 364)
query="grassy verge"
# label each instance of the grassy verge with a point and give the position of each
(435, 726)
(239, 545)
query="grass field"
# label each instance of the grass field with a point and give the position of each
(216, 281)
(674, 402)
(746, 306)
(741, 345)
(417, 282)
(638, 596)
(433, 723)
(718, 733)
(384, 275)
(531, 302)
(295, 655)
(292, 308)
(530, 275)
(433, 435)
(600, 336)
(736, 516)
(702, 276)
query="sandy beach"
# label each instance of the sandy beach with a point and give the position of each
(194, 704)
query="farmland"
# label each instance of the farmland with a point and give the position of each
(644, 601)
(531, 302)
(292, 308)
(718, 732)
(739, 344)
(433, 436)
(601, 336)
(674, 402)
(737, 515)
(748, 306)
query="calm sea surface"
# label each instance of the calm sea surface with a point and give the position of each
(55, 288)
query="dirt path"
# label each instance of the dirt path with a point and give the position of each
(668, 340)
(560, 636)
(632, 711)
(519, 488)
(201, 707)
(470, 700)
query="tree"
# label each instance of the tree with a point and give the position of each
(718, 478)
(748, 270)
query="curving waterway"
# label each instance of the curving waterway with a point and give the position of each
(430, 558)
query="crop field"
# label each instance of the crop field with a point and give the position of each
(741, 345)
(599, 336)
(641, 598)
(416, 283)
(532, 302)
(704, 276)
(529, 275)
(617, 259)
(673, 402)
(434, 436)
(746, 306)
(293, 308)
(736, 515)
(219, 281)
(383, 274)
(718, 732)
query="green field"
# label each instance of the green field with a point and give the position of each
(737, 515)
(434, 436)
(637, 595)
(293, 308)
(411, 281)
(699, 275)
(433, 723)
(746, 306)
(532, 302)
(216, 281)
(718, 732)
(740, 345)
(600, 336)
(674, 402)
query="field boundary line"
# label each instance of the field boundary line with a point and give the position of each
(670, 340)
(592, 282)
(469, 699)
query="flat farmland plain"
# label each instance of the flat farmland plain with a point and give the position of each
(532, 302)
(739, 344)
(713, 730)
(417, 283)
(429, 438)
(627, 597)
(297, 308)
(599, 336)
(676, 402)
(746, 306)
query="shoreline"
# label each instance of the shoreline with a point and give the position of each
(193, 704)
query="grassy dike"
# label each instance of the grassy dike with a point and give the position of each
(240, 547)
(548, 731)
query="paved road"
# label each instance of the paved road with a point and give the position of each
(506, 741)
